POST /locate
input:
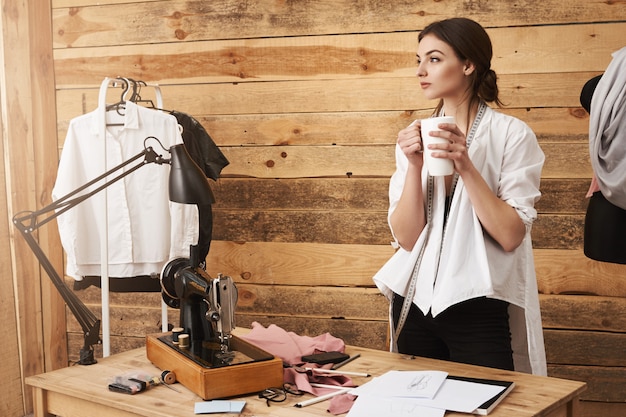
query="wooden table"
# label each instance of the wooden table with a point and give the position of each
(81, 391)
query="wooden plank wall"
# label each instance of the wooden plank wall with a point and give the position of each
(305, 99)
(31, 311)
(11, 371)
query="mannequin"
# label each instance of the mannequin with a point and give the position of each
(605, 222)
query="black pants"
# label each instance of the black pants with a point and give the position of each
(475, 332)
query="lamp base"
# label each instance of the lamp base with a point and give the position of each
(86, 357)
(252, 370)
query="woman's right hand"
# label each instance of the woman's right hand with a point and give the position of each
(408, 219)
(410, 142)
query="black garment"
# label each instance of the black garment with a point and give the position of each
(605, 230)
(474, 332)
(141, 283)
(201, 146)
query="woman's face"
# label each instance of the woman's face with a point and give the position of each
(441, 73)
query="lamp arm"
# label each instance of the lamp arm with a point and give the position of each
(27, 223)
(65, 203)
(87, 320)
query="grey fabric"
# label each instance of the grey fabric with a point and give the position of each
(607, 131)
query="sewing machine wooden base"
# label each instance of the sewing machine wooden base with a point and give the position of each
(253, 369)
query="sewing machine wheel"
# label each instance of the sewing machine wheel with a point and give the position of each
(168, 275)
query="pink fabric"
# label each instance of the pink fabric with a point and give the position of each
(303, 381)
(341, 404)
(593, 187)
(290, 347)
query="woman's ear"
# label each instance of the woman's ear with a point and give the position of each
(469, 68)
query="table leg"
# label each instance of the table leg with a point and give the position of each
(40, 403)
(573, 407)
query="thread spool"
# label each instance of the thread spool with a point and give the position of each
(168, 377)
(183, 340)
(176, 332)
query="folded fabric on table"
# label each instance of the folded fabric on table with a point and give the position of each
(290, 347)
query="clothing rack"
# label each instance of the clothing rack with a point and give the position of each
(127, 84)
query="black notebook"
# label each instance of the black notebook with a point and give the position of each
(489, 405)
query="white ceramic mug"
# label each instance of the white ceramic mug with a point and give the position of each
(435, 166)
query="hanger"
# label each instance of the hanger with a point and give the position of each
(136, 97)
(133, 88)
(126, 84)
(120, 106)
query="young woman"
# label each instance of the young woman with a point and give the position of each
(462, 283)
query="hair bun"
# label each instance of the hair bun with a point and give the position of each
(487, 87)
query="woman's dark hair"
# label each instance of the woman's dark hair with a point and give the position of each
(470, 41)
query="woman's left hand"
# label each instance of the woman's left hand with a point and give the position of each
(456, 149)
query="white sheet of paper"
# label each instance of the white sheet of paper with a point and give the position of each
(219, 406)
(450, 394)
(411, 384)
(366, 406)
(461, 396)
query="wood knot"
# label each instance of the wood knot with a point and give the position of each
(180, 34)
(579, 113)
(246, 295)
(283, 154)
(270, 163)
(246, 275)
(246, 298)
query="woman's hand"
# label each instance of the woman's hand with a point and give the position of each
(410, 142)
(456, 149)
(408, 219)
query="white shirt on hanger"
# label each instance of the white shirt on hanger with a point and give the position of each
(144, 228)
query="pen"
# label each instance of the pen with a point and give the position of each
(350, 359)
(322, 398)
(331, 371)
(316, 385)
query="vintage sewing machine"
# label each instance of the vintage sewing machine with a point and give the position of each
(203, 353)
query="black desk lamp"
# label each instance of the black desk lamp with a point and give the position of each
(187, 184)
